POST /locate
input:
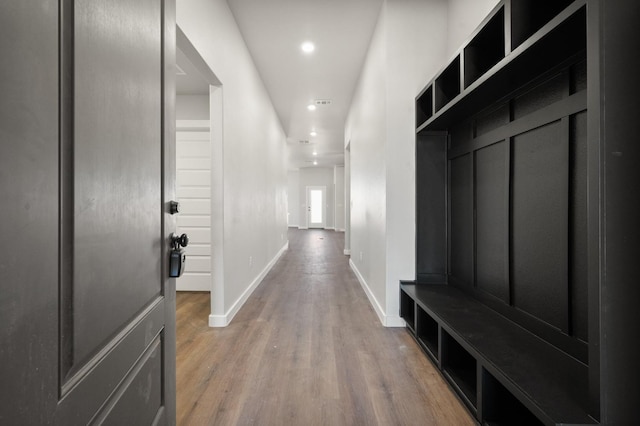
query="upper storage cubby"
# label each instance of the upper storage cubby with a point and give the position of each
(485, 50)
(447, 85)
(424, 106)
(528, 16)
(520, 40)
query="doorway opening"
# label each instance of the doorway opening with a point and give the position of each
(316, 206)
(199, 172)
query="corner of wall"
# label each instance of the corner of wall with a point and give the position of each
(386, 319)
(225, 320)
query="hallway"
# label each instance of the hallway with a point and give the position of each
(306, 349)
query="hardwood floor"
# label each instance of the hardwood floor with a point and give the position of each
(306, 349)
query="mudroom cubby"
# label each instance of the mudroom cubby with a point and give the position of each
(424, 105)
(527, 17)
(447, 84)
(500, 407)
(501, 299)
(460, 367)
(408, 310)
(427, 333)
(486, 49)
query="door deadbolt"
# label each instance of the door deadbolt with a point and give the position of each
(177, 257)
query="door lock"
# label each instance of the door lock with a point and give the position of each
(178, 241)
(177, 257)
(174, 207)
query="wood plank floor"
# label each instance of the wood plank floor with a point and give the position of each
(306, 349)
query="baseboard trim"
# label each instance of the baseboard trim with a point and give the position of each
(372, 299)
(347, 252)
(302, 227)
(225, 320)
(386, 320)
(395, 321)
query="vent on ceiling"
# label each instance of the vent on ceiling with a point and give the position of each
(304, 142)
(323, 102)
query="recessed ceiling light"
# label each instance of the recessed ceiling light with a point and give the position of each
(315, 153)
(311, 107)
(315, 163)
(314, 133)
(308, 47)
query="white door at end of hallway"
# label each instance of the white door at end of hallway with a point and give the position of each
(316, 196)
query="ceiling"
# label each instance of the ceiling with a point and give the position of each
(341, 30)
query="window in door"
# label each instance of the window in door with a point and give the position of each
(316, 206)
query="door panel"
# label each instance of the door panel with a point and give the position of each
(97, 385)
(117, 174)
(29, 225)
(87, 166)
(139, 400)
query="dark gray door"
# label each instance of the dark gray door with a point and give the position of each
(87, 312)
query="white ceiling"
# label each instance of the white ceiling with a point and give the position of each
(341, 31)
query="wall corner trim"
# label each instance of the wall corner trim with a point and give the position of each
(395, 321)
(218, 321)
(225, 320)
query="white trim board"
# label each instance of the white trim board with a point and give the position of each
(386, 320)
(194, 281)
(192, 125)
(225, 320)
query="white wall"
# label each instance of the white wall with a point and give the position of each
(409, 46)
(366, 128)
(338, 179)
(192, 107)
(293, 197)
(464, 16)
(316, 176)
(255, 180)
